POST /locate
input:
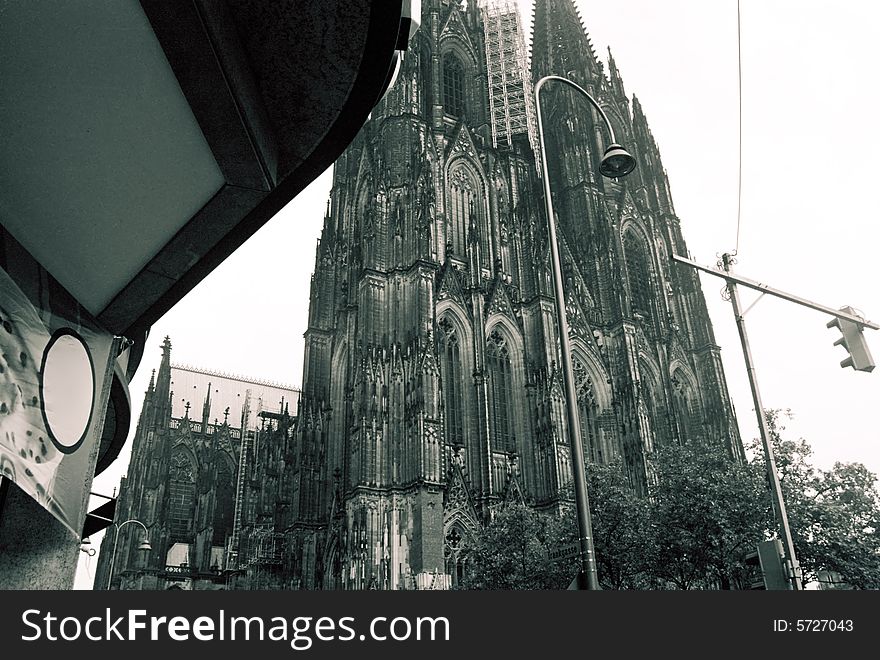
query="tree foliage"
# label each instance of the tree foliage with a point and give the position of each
(622, 529)
(834, 514)
(704, 514)
(709, 512)
(512, 552)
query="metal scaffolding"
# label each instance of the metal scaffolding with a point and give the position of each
(511, 104)
(263, 547)
(244, 456)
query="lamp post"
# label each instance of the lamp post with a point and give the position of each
(145, 545)
(616, 162)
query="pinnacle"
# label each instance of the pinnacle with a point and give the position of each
(559, 34)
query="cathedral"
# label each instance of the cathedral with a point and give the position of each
(197, 483)
(431, 389)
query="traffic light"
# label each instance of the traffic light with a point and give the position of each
(854, 342)
(768, 567)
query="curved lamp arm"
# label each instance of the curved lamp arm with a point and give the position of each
(616, 162)
(144, 546)
(132, 520)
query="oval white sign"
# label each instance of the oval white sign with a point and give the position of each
(67, 389)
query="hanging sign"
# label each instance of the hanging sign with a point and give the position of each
(55, 376)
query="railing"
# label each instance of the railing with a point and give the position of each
(196, 427)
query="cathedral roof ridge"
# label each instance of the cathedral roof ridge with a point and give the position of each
(234, 376)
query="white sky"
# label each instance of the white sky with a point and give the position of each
(810, 138)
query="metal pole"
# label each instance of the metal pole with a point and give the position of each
(113, 557)
(589, 577)
(790, 297)
(794, 571)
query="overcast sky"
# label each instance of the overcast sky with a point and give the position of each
(809, 221)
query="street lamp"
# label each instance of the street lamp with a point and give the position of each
(86, 546)
(145, 544)
(616, 162)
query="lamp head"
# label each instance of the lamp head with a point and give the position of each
(616, 162)
(145, 545)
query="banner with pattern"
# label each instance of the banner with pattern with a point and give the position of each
(54, 385)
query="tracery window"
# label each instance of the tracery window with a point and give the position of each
(637, 274)
(463, 202)
(588, 412)
(182, 491)
(648, 405)
(453, 381)
(456, 559)
(503, 437)
(683, 398)
(224, 507)
(453, 86)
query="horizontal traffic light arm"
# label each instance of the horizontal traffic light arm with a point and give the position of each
(763, 288)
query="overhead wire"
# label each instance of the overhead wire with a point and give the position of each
(739, 131)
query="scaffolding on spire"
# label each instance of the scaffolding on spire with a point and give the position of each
(245, 449)
(511, 104)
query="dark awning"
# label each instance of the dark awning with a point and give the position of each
(143, 143)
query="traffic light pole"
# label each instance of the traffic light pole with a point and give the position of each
(772, 476)
(794, 570)
(763, 288)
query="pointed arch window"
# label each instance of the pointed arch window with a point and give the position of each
(455, 553)
(500, 374)
(224, 503)
(648, 406)
(588, 412)
(453, 85)
(637, 274)
(464, 207)
(453, 381)
(182, 491)
(685, 410)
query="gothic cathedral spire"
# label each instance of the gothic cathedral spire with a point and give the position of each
(560, 43)
(431, 385)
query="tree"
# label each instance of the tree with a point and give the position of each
(705, 512)
(511, 552)
(834, 514)
(514, 548)
(708, 512)
(622, 530)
